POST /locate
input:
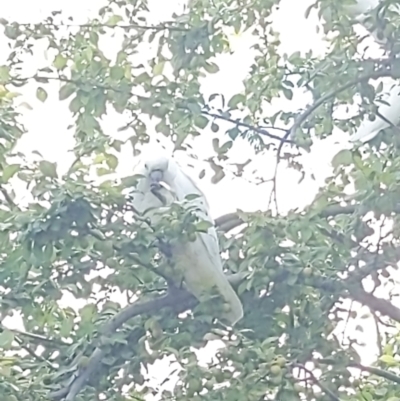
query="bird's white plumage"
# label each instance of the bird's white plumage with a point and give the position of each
(199, 262)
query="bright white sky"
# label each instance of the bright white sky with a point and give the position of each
(47, 122)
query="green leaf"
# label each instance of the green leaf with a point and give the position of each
(201, 121)
(203, 226)
(48, 169)
(103, 171)
(159, 68)
(192, 197)
(308, 10)
(75, 104)
(389, 360)
(233, 133)
(211, 68)
(215, 144)
(235, 100)
(41, 94)
(214, 127)
(88, 53)
(343, 157)
(288, 93)
(112, 161)
(225, 147)
(142, 78)
(6, 339)
(4, 74)
(113, 20)
(9, 171)
(12, 31)
(66, 91)
(60, 62)
(66, 327)
(237, 22)
(381, 391)
(117, 72)
(194, 108)
(87, 312)
(116, 144)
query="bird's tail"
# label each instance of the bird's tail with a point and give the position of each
(365, 133)
(201, 283)
(235, 312)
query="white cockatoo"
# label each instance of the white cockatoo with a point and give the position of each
(390, 111)
(198, 262)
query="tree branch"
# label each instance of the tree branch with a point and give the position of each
(312, 377)
(33, 353)
(383, 72)
(34, 337)
(370, 369)
(230, 221)
(238, 123)
(179, 300)
(378, 372)
(376, 304)
(161, 27)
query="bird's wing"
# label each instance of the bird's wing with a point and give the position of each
(202, 211)
(200, 261)
(203, 276)
(390, 111)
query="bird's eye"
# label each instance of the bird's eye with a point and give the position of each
(145, 165)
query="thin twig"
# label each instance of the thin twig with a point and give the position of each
(312, 377)
(379, 340)
(35, 337)
(239, 123)
(347, 321)
(162, 27)
(33, 353)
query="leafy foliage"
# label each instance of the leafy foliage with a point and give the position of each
(301, 269)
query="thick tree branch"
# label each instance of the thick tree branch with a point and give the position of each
(179, 300)
(377, 372)
(230, 221)
(376, 304)
(370, 369)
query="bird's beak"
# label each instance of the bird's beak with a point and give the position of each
(155, 177)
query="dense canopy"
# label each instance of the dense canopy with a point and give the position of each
(311, 280)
